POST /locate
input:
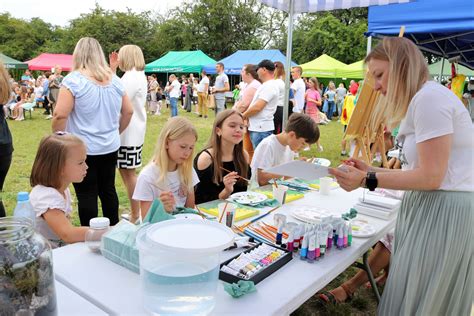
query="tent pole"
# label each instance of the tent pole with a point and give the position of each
(441, 72)
(369, 44)
(289, 44)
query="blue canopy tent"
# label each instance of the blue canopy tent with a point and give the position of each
(444, 28)
(233, 63)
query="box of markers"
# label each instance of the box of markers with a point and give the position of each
(254, 264)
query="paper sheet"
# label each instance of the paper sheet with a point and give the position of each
(300, 169)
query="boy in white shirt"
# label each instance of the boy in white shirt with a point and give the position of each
(275, 150)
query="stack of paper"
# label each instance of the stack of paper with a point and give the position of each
(377, 206)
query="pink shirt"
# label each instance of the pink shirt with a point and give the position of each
(249, 92)
(312, 94)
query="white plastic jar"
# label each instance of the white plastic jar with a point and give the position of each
(98, 226)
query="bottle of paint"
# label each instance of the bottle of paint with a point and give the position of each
(317, 250)
(346, 235)
(340, 237)
(304, 247)
(330, 233)
(349, 237)
(296, 240)
(322, 242)
(312, 248)
(290, 240)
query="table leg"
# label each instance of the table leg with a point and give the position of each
(365, 266)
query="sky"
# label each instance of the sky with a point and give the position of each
(59, 12)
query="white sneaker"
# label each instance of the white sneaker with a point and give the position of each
(307, 148)
(320, 148)
(48, 117)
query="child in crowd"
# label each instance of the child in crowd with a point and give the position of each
(60, 160)
(39, 97)
(300, 131)
(170, 176)
(224, 150)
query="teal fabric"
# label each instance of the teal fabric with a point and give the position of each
(240, 288)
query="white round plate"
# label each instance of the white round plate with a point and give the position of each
(248, 197)
(322, 162)
(310, 214)
(363, 230)
(188, 216)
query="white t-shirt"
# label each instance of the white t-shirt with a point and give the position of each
(175, 91)
(202, 84)
(269, 153)
(281, 88)
(39, 92)
(300, 88)
(43, 198)
(263, 121)
(435, 111)
(147, 187)
(135, 85)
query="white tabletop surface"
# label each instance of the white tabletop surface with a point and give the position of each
(116, 290)
(70, 303)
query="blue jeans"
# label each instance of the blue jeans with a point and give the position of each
(257, 137)
(330, 111)
(174, 106)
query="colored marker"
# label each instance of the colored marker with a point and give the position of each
(304, 247)
(349, 237)
(312, 248)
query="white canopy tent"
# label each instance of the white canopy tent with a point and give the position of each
(300, 6)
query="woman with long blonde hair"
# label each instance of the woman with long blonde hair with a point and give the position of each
(170, 175)
(6, 142)
(131, 61)
(93, 105)
(431, 270)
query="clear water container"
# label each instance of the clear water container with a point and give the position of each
(98, 226)
(24, 208)
(179, 265)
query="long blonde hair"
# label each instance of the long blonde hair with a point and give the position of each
(5, 88)
(131, 56)
(408, 72)
(175, 128)
(89, 56)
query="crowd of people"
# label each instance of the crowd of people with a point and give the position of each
(99, 124)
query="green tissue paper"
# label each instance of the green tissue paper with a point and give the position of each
(240, 288)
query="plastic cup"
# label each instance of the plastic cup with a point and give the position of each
(220, 208)
(325, 185)
(279, 193)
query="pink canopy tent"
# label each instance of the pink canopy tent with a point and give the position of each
(48, 61)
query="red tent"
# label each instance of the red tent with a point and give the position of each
(48, 61)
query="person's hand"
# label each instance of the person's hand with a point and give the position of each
(348, 177)
(113, 61)
(229, 181)
(356, 163)
(169, 203)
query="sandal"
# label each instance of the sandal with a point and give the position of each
(329, 297)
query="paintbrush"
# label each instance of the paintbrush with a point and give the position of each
(223, 211)
(237, 175)
(259, 217)
(200, 213)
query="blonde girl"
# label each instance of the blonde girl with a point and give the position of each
(60, 161)
(224, 149)
(170, 176)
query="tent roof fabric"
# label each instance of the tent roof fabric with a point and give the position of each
(324, 5)
(435, 69)
(11, 63)
(48, 61)
(184, 62)
(233, 64)
(354, 71)
(324, 67)
(444, 28)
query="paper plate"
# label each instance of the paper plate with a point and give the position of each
(311, 214)
(362, 230)
(322, 162)
(248, 198)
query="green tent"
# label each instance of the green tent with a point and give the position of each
(435, 69)
(11, 63)
(324, 67)
(354, 71)
(182, 62)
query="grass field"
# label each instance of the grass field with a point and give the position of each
(26, 137)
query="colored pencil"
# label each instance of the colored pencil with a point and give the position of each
(225, 207)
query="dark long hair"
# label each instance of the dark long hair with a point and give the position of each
(215, 142)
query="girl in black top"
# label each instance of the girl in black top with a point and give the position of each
(6, 143)
(224, 150)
